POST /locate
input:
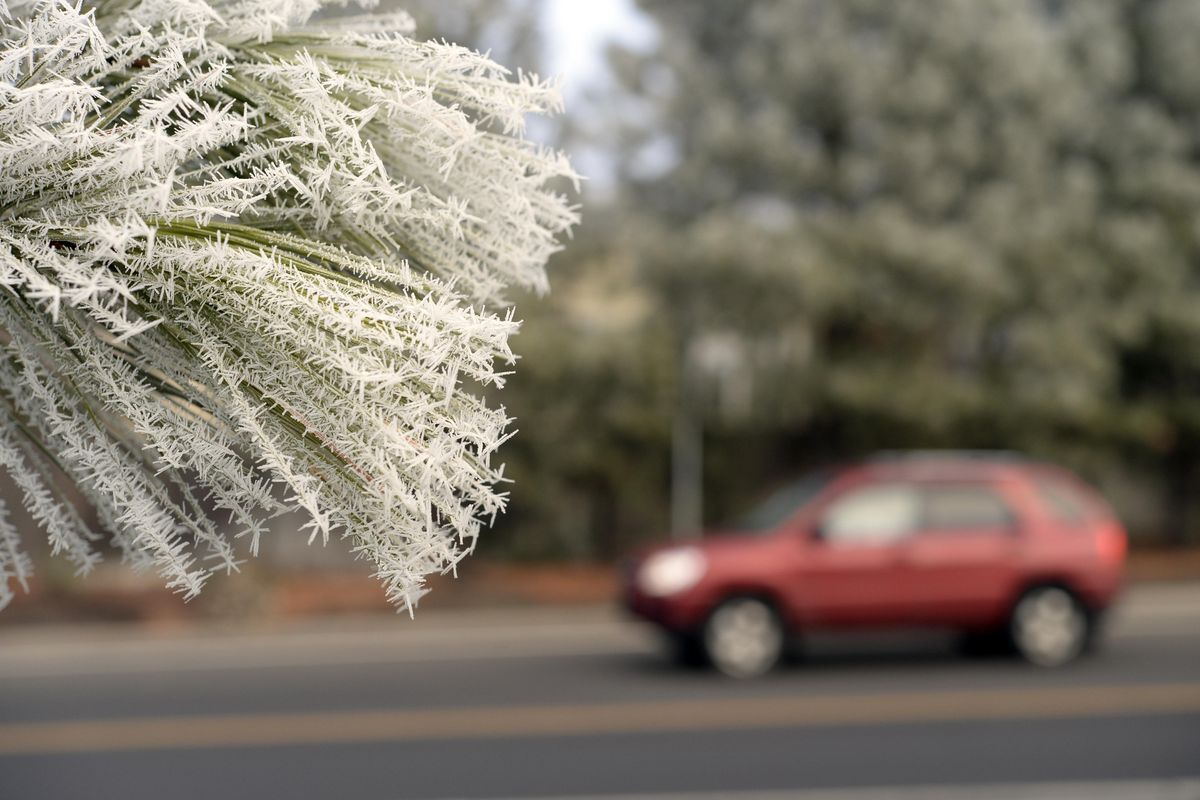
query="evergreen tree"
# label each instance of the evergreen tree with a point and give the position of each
(890, 223)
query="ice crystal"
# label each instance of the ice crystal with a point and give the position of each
(253, 265)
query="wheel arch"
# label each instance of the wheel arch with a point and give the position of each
(1047, 580)
(771, 597)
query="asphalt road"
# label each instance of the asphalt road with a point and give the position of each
(580, 703)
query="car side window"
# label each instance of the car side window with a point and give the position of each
(1064, 504)
(964, 507)
(875, 514)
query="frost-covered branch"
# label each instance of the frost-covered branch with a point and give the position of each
(254, 266)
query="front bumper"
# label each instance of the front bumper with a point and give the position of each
(677, 613)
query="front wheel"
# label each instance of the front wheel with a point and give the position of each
(743, 637)
(1049, 626)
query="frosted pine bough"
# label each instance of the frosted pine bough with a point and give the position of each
(252, 266)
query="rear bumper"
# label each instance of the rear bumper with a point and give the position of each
(1099, 593)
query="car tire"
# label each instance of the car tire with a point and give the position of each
(1049, 626)
(744, 637)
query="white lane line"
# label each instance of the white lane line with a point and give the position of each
(1181, 789)
(330, 649)
(243, 660)
(1147, 613)
(320, 649)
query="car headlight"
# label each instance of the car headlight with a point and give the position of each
(671, 571)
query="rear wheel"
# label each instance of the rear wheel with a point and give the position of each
(743, 637)
(1049, 626)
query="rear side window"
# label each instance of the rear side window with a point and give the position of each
(1065, 502)
(964, 507)
(872, 515)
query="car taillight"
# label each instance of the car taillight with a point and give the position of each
(1111, 544)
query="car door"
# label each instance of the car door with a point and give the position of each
(960, 564)
(850, 572)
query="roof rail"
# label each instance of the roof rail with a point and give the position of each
(918, 455)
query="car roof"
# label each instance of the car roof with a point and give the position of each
(949, 465)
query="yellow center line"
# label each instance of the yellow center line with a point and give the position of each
(267, 729)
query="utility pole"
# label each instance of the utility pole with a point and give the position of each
(687, 449)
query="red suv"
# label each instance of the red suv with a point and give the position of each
(1004, 549)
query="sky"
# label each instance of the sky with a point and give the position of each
(578, 31)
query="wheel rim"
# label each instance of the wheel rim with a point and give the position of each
(743, 638)
(1049, 627)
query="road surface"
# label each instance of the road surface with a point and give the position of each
(579, 703)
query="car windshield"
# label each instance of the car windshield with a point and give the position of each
(783, 503)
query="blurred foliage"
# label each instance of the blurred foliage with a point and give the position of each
(873, 224)
(507, 29)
